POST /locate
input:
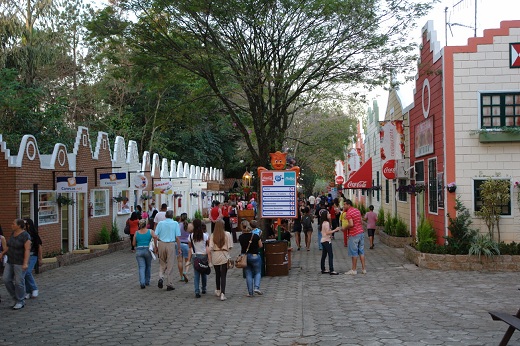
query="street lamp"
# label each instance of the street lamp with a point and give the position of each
(246, 182)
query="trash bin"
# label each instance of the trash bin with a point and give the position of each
(276, 258)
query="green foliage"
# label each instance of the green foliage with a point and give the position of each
(104, 235)
(509, 249)
(380, 217)
(461, 234)
(114, 233)
(483, 244)
(494, 193)
(426, 236)
(198, 215)
(362, 209)
(396, 227)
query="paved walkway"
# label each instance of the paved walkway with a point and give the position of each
(99, 302)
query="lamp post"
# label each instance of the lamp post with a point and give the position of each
(246, 183)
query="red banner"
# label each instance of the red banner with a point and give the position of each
(362, 179)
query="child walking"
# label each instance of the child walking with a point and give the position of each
(326, 234)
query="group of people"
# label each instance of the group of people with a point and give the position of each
(19, 255)
(171, 238)
(334, 215)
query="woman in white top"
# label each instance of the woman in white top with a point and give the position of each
(220, 243)
(199, 246)
(326, 243)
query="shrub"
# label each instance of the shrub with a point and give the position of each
(114, 233)
(461, 234)
(482, 244)
(362, 209)
(104, 236)
(401, 230)
(426, 237)
(389, 224)
(198, 215)
(509, 249)
(380, 217)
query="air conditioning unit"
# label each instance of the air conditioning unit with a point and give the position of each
(403, 169)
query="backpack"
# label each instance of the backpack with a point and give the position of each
(307, 222)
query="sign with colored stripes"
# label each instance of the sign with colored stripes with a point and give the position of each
(278, 194)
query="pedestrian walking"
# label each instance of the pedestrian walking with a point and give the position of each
(199, 248)
(35, 256)
(133, 223)
(141, 241)
(326, 243)
(167, 233)
(160, 215)
(182, 256)
(220, 243)
(356, 237)
(215, 213)
(371, 219)
(250, 244)
(307, 227)
(18, 249)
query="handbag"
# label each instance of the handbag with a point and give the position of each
(127, 227)
(230, 263)
(200, 264)
(241, 260)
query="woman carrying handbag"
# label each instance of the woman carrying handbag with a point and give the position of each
(219, 243)
(250, 244)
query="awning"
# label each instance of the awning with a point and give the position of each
(362, 178)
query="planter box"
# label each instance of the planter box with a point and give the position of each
(504, 263)
(396, 242)
(49, 260)
(498, 136)
(81, 251)
(98, 247)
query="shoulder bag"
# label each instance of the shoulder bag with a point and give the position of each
(241, 260)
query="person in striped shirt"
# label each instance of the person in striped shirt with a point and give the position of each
(356, 236)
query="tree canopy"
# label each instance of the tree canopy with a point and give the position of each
(267, 60)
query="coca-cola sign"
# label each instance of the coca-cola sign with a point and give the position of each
(362, 184)
(389, 169)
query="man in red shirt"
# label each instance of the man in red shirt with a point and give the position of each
(356, 236)
(215, 214)
(226, 208)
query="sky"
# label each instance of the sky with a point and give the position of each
(460, 12)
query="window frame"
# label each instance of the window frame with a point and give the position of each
(403, 194)
(476, 195)
(94, 202)
(502, 109)
(433, 207)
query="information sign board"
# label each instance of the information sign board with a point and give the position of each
(278, 194)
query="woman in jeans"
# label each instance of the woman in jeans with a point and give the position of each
(198, 243)
(141, 241)
(17, 250)
(254, 262)
(219, 243)
(31, 289)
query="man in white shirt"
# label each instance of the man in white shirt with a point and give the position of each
(160, 216)
(312, 202)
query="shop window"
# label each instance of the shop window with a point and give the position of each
(403, 194)
(432, 185)
(47, 207)
(99, 200)
(500, 110)
(25, 205)
(505, 208)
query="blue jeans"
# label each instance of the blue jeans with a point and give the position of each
(319, 238)
(30, 284)
(14, 280)
(253, 272)
(197, 276)
(327, 251)
(144, 262)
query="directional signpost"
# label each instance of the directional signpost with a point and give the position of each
(278, 194)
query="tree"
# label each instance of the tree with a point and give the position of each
(494, 193)
(265, 61)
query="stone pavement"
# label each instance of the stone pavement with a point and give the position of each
(99, 302)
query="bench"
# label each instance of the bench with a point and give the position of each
(512, 320)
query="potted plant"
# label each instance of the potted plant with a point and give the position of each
(64, 200)
(451, 187)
